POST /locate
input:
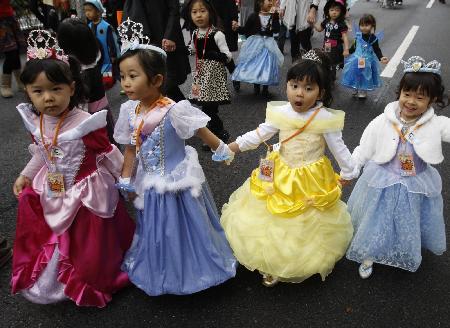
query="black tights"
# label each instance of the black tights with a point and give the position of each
(12, 61)
(216, 124)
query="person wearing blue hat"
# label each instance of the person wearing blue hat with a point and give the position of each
(93, 9)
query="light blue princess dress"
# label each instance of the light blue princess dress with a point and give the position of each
(363, 74)
(395, 216)
(179, 246)
(260, 60)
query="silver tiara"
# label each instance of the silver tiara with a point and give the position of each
(42, 45)
(132, 38)
(418, 64)
(311, 55)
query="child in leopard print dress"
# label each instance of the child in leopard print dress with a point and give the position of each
(209, 85)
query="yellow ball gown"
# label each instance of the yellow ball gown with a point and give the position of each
(296, 226)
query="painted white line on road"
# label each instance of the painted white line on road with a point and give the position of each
(391, 67)
(430, 4)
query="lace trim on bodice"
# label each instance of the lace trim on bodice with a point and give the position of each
(304, 149)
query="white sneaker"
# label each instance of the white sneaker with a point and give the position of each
(365, 270)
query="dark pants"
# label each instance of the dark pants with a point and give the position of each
(302, 38)
(216, 124)
(12, 61)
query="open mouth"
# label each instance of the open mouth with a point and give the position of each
(298, 104)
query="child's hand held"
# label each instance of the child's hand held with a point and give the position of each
(223, 154)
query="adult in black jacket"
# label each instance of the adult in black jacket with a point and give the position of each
(228, 13)
(161, 21)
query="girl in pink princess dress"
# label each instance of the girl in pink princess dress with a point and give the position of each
(72, 228)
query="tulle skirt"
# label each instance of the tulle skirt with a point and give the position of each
(367, 78)
(395, 219)
(310, 240)
(179, 246)
(259, 61)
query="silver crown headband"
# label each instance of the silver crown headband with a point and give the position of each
(311, 55)
(418, 64)
(132, 38)
(42, 45)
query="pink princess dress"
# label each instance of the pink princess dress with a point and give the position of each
(71, 247)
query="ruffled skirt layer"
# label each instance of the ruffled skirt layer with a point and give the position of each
(82, 264)
(259, 61)
(394, 220)
(292, 247)
(179, 246)
(367, 78)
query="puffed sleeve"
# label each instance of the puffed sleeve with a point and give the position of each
(123, 130)
(444, 123)
(186, 119)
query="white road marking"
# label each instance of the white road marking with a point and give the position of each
(430, 4)
(391, 67)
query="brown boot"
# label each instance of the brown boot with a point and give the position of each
(20, 85)
(5, 86)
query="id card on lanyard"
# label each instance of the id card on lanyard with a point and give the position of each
(406, 158)
(55, 179)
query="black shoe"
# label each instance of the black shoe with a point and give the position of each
(256, 89)
(237, 86)
(265, 92)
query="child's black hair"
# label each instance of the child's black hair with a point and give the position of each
(334, 3)
(368, 19)
(257, 6)
(430, 84)
(314, 72)
(78, 40)
(214, 18)
(152, 62)
(57, 72)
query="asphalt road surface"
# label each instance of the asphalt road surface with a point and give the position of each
(390, 298)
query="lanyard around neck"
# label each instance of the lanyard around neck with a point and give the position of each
(55, 136)
(161, 101)
(197, 67)
(300, 130)
(401, 134)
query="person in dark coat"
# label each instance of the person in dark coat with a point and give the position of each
(228, 13)
(161, 22)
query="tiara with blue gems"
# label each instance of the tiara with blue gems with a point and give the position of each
(132, 38)
(418, 64)
(312, 55)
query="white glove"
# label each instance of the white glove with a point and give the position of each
(223, 153)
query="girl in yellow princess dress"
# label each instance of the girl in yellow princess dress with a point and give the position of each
(287, 221)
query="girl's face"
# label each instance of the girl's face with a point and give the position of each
(266, 5)
(334, 12)
(49, 98)
(366, 28)
(200, 15)
(302, 95)
(135, 82)
(413, 104)
(91, 13)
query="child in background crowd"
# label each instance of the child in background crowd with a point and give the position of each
(362, 70)
(260, 60)
(93, 9)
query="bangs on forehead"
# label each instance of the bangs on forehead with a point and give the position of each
(416, 83)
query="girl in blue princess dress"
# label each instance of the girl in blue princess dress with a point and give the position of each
(362, 70)
(260, 59)
(396, 205)
(179, 246)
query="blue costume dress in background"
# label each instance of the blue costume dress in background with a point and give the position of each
(260, 59)
(394, 216)
(367, 78)
(179, 246)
